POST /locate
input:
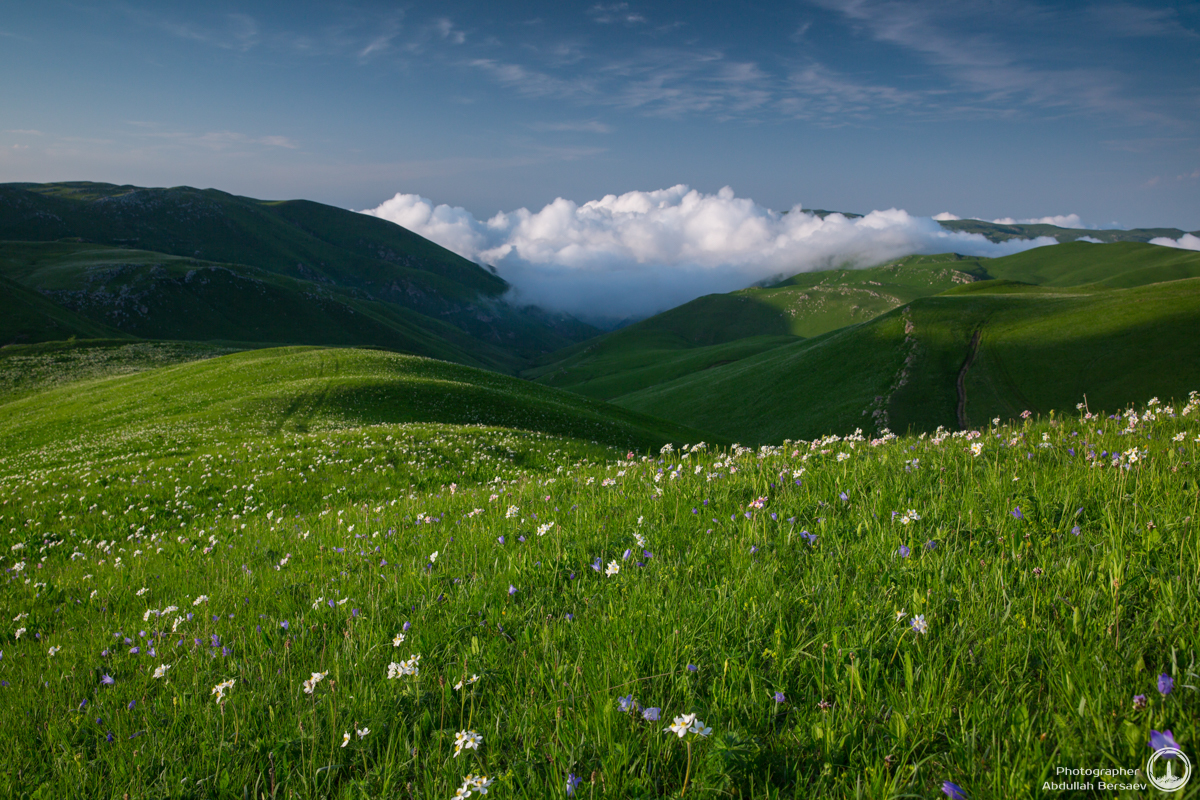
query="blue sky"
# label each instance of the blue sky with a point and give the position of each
(983, 109)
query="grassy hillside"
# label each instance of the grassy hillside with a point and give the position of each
(1038, 349)
(750, 322)
(1118, 265)
(29, 368)
(721, 328)
(297, 239)
(266, 392)
(158, 296)
(392, 610)
(26, 317)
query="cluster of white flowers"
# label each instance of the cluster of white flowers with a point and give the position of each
(466, 682)
(512, 512)
(686, 724)
(909, 516)
(397, 640)
(201, 599)
(161, 672)
(221, 688)
(544, 529)
(311, 683)
(472, 784)
(613, 568)
(410, 666)
(466, 740)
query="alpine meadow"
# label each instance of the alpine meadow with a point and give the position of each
(297, 503)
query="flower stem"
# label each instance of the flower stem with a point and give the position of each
(688, 772)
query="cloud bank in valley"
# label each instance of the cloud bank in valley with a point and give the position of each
(1185, 242)
(643, 252)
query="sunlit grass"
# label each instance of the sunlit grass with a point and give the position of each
(849, 617)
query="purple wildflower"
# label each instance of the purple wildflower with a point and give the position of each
(284, 624)
(1165, 684)
(845, 497)
(780, 697)
(511, 590)
(651, 714)
(573, 780)
(953, 791)
(692, 667)
(107, 680)
(1161, 739)
(904, 551)
(1016, 512)
(627, 703)
(1139, 701)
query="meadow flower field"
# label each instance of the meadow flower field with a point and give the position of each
(442, 611)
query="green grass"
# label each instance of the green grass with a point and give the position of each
(266, 392)
(26, 369)
(1039, 349)
(243, 548)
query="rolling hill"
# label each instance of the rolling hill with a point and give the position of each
(827, 343)
(722, 328)
(177, 409)
(1015, 346)
(298, 239)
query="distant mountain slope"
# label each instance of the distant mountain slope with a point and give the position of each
(748, 322)
(27, 317)
(298, 239)
(1038, 348)
(1119, 265)
(262, 392)
(1000, 232)
(158, 296)
(720, 328)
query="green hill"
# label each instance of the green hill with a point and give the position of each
(264, 392)
(717, 330)
(27, 317)
(297, 239)
(1017, 347)
(721, 328)
(157, 296)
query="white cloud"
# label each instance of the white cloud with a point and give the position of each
(1060, 220)
(1089, 239)
(643, 252)
(946, 216)
(1185, 242)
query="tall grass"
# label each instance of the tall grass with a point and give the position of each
(851, 618)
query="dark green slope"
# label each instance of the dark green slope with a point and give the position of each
(262, 392)
(1038, 348)
(158, 296)
(27, 317)
(298, 239)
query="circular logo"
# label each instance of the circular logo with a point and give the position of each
(1168, 769)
